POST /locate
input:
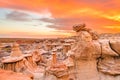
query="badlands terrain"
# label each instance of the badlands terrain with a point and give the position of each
(86, 56)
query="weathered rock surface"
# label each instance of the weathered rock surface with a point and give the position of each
(115, 45)
(24, 63)
(85, 58)
(60, 70)
(16, 52)
(9, 75)
(95, 59)
(106, 49)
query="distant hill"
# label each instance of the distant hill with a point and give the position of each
(110, 35)
(6, 40)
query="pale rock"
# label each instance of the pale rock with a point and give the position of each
(9, 75)
(115, 45)
(106, 49)
(16, 50)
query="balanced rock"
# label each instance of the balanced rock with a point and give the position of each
(16, 52)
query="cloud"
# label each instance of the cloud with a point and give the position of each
(18, 16)
(34, 35)
(111, 29)
(65, 13)
(67, 23)
(61, 23)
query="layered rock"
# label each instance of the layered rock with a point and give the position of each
(9, 75)
(85, 57)
(16, 52)
(66, 48)
(24, 63)
(95, 59)
(89, 58)
(114, 44)
(0, 46)
(109, 63)
(60, 70)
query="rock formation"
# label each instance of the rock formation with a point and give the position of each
(10, 75)
(95, 59)
(16, 52)
(37, 57)
(82, 27)
(0, 46)
(84, 57)
(60, 70)
(66, 47)
(24, 63)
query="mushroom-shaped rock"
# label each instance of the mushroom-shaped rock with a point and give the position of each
(82, 27)
(54, 57)
(12, 63)
(16, 52)
(85, 54)
(56, 68)
(1, 46)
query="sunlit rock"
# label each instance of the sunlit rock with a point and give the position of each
(57, 69)
(115, 45)
(85, 55)
(106, 49)
(16, 50)
(9, 75)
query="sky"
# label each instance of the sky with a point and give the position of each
(55, 18)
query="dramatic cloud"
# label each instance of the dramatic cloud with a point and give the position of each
(61, 15)
(67, 23)
(18, 16)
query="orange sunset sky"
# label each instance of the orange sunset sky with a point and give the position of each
(55, 18)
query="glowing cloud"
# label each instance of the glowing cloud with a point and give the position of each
(48, 18)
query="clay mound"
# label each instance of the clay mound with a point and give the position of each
(9, 75)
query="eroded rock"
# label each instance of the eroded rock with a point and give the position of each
(9, 75)
(115, 45)
(16, 52)
(94, 57)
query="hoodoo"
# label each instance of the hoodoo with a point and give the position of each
(16, 52)
(86, 56)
